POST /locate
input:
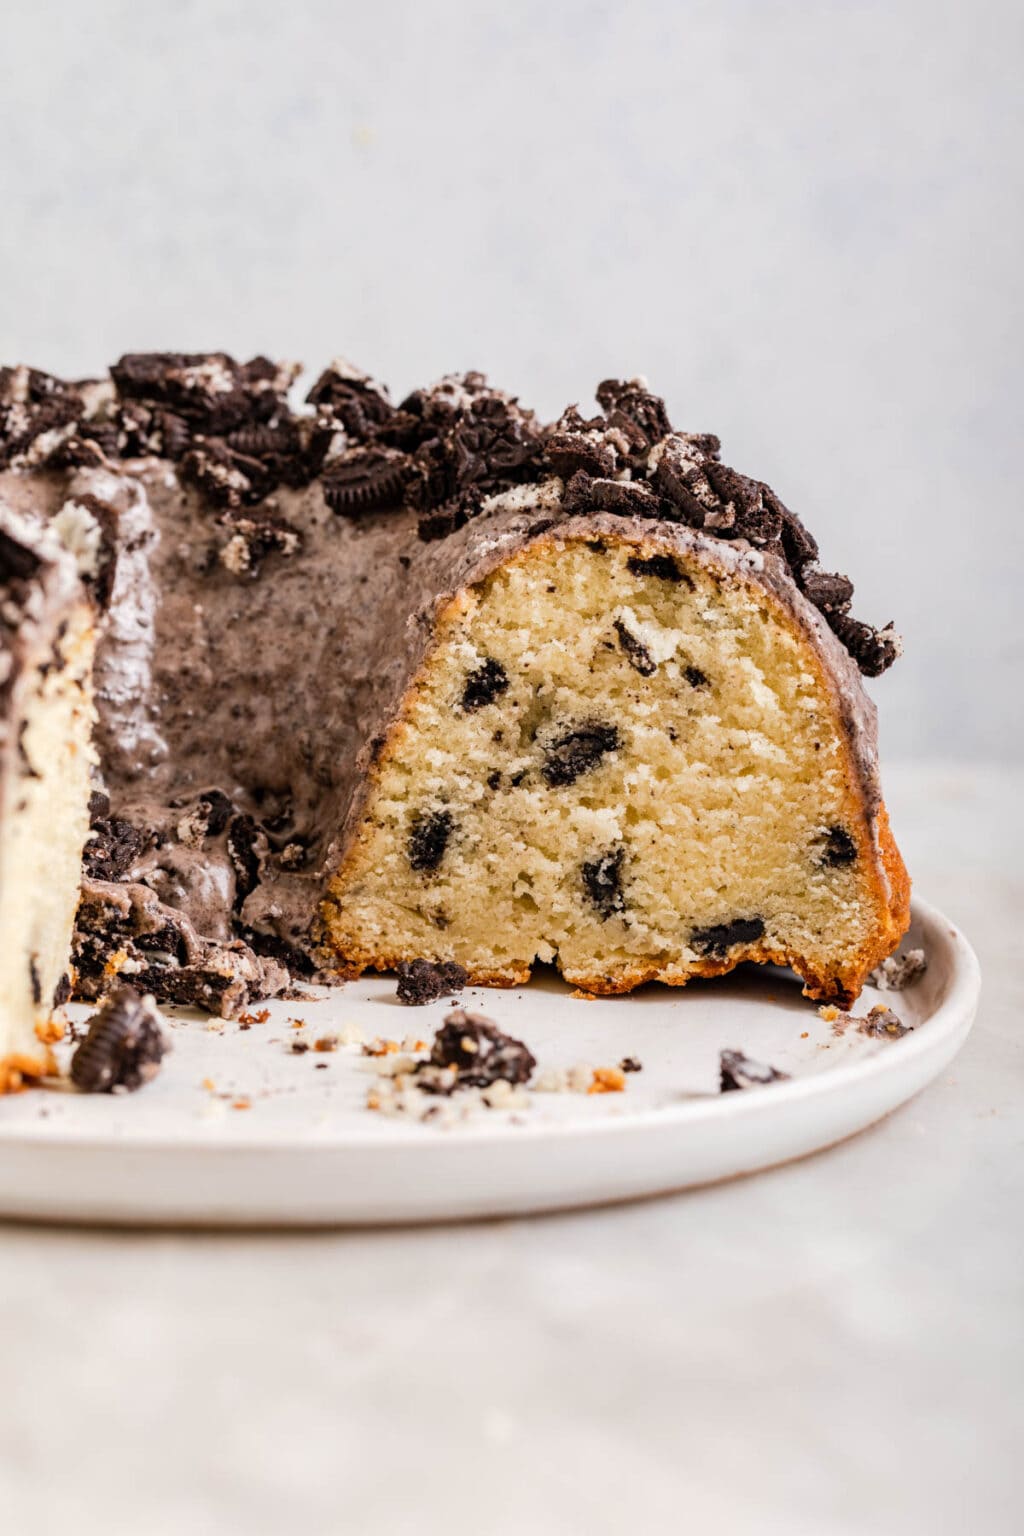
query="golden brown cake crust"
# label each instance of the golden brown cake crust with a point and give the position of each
(20, 1068)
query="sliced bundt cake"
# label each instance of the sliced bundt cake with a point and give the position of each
(629, 750)
(46, 645)
(383, 683)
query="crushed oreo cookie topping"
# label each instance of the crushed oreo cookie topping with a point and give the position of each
(442, 452)
(114, 845)
(124, 1046)
(737, 1070)
(423, 981)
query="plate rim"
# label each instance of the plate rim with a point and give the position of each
(948, 1025)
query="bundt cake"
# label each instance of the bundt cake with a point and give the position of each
(436, 681)
(46, 649)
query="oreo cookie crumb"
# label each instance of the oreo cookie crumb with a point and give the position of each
(883, 1024)
(577, 752)
(634, 402)
(717, 939)
(485, 684)
(428, 839)
(124, 1045)
(898, 972)
(422, 981)
(477, 1052)
(602, 879)
(365, 480)
(737, 1071)
(827, 590)
(113, 847)
(837, 848)
(661, 566)
(636, 653)
(247, 845)
(874, 650)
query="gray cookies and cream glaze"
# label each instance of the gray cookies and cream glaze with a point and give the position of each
(268, 613)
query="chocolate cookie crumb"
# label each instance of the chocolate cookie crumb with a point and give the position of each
(837, 848)
(740, 1071)
(112, 848)
(884, 1024)
(631, 1064)
(474, 1048)
(124, 1046)
(661, 566)
(602, 879)
(421, 981)
(719, 938)
(896, 973)
(636, 653)
(485, 684)
(577, 752)
(428, 839)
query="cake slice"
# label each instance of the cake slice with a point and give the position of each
(636, 752)
(46, 648)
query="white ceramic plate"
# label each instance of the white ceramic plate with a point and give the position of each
(307, 1150)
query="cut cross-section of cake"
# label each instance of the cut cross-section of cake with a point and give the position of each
(634, 751)
(46, 648)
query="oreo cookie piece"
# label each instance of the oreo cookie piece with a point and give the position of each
(484, 684)
(124, 1046)
(883, 1024)
(602, 880)
(837, 848)
(422, 981)
(661, 566)
(428, 839)
(717, 939)
(113, 847)
(479, 1054)
(252, 539)
(365, 480)
(874, 650)
(739, 1071)
(633, 401)
(577, 752)
(635, 652)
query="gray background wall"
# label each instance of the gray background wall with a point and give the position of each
(802, 221)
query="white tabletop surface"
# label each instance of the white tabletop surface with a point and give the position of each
(833, 1347)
